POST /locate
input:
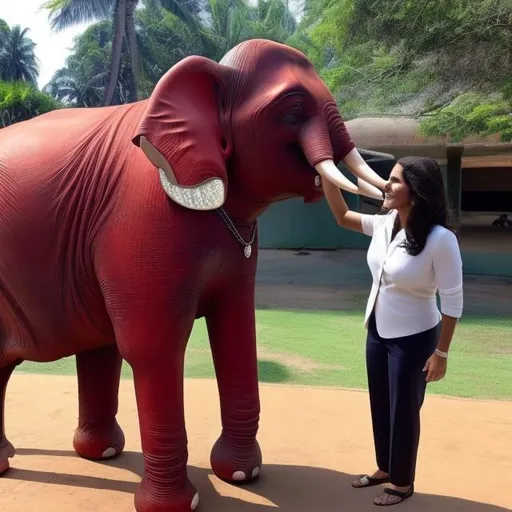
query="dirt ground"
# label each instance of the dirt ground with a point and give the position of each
(313, 440)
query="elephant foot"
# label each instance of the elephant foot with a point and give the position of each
(99, 443)
(7, 451)
(236, 464)
(155, 499)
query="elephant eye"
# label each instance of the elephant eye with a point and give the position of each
(293, 118)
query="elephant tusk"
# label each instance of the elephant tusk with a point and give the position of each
(328, 170)
(208, 195)
(368, 190)
(356, 164)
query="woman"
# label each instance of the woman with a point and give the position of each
(411, 256)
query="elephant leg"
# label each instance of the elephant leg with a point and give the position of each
(158, 381)
(149, 279)
(6, 448)
(236, 456)
(98, 435)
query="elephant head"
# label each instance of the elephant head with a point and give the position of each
(251, 130)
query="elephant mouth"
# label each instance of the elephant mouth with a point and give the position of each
(312, 190)
(315, 192)
(315, 195)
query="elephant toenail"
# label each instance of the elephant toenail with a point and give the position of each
(109, 452)
(255, 472)
(238, 476)
(195, 502)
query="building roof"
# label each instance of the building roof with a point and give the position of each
(401, 136)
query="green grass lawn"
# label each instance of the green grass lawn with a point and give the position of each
(327, 349)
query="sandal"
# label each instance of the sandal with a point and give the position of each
(368, 481)
(393, 492)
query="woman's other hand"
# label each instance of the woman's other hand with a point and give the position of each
(435, 367)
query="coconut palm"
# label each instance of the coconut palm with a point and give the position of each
(82, 81)
(18, 61)
(4, 29)
(274, 20)
(229, 22)
(162, 38)
(64, 13)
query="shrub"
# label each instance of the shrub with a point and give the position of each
(20, 101)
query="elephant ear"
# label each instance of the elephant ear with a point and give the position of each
(180, 132)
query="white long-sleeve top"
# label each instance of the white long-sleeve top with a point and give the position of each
(404, 287)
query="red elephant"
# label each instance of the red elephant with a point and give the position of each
(107, 258)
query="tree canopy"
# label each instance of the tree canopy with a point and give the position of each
(19, 98)
(447, 63)
(17, 57)
(20, 101)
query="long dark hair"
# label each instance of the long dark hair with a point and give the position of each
(429, 207)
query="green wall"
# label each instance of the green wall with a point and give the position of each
(487, 263)
(292, 224)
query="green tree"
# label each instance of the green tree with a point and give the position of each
(471, 114)
(20, 101)
(17, 58)
(411, 57)
(163, 39)
(65, 13)
(81, 83)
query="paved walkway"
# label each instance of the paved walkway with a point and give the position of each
(337, 280)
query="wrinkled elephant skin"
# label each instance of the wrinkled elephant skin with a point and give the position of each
(112, 244)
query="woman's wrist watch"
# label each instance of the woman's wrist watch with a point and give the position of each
(444, 355)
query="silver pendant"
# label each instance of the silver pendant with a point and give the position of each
(247, 251)
(318, 181)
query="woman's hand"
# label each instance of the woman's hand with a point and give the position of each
(435, 367)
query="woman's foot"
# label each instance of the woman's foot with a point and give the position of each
(379, 477)
(393, 495)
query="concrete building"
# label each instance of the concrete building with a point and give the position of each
(478, 174)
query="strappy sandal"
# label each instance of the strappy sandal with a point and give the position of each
(368, 481)
(399, 494)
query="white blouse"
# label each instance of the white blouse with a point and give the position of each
(404, 287)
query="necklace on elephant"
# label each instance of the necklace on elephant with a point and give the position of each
(232, 228)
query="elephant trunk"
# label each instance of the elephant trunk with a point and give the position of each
(315, 142)
(369, 182)
(341, 141)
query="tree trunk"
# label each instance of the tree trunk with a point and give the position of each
(117, 49)
(133, 48)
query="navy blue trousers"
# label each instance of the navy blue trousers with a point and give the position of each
(397, 385)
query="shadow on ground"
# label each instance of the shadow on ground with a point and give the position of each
(290, 488)
(272, 372)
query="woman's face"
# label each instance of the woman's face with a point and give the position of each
(397, 195)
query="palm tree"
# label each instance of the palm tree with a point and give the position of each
(229, 22)
(81, 83)
(4, 29)
(162, 38)
(274, 20)
(64, 13)
(18, 61)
